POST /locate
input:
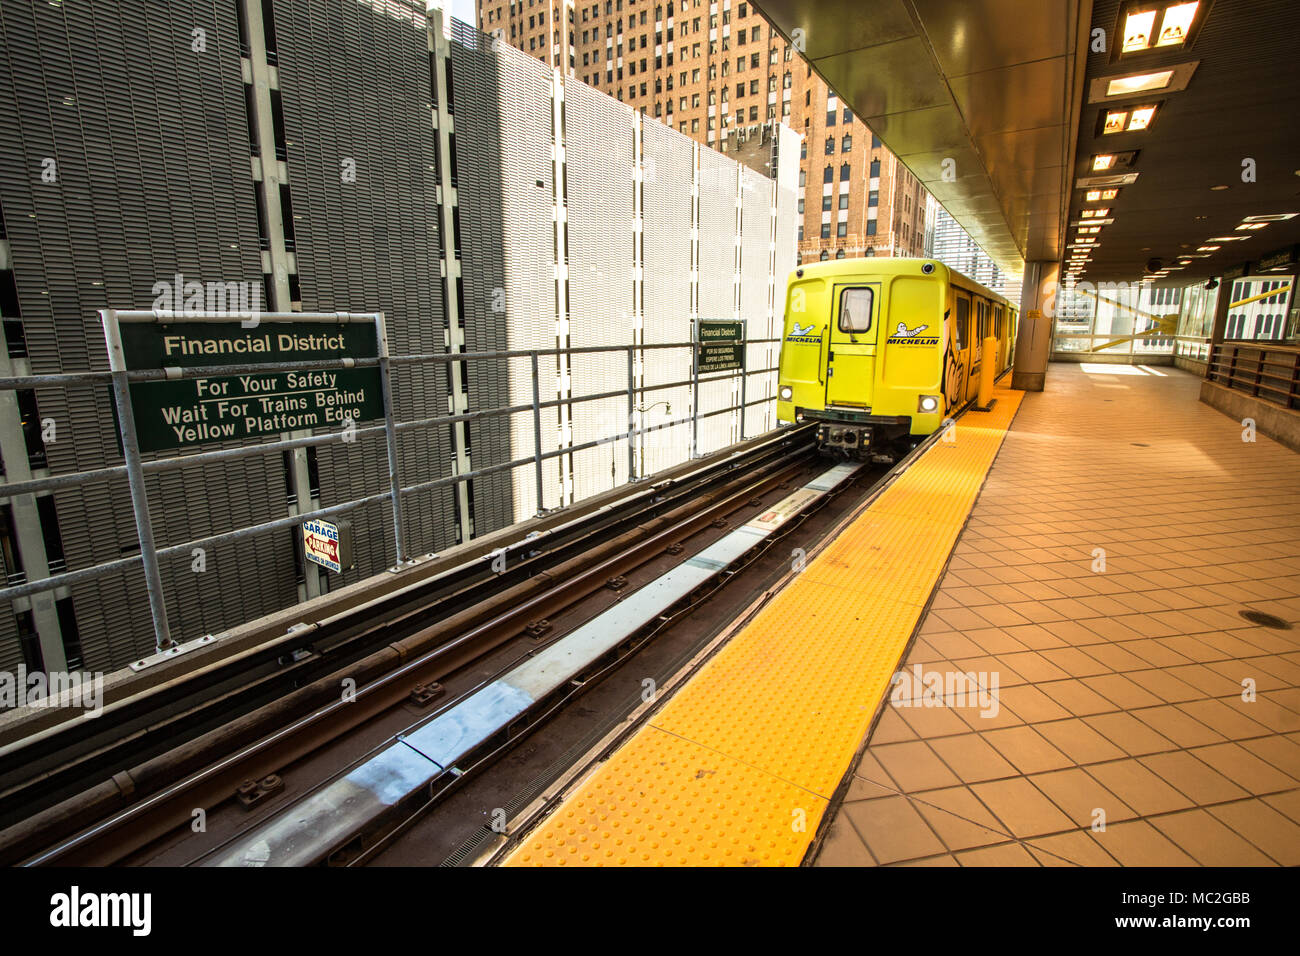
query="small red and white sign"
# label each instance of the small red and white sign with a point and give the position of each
(320, 543)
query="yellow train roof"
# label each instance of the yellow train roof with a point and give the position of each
(890, 266)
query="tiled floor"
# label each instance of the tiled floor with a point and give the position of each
(1118, 733)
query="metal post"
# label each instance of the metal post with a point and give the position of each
(135, 478)
(537, 434)
(695, 389)
(390, 435)
(631, 413)
(744, 374)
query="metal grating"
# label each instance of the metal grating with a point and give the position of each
(129, 210)
(354, 82)
(668, 161)
(505, 190)
(599, 179)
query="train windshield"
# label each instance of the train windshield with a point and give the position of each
(855, 310)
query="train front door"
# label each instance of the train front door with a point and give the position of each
(851, 354)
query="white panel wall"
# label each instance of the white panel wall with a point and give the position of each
(599, 176)
(668, 163)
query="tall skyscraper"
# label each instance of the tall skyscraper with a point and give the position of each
(721, 74)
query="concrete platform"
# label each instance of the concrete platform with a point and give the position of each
(1111, 723)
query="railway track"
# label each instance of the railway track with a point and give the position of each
(395, 653)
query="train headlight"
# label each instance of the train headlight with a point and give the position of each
(786, 393)
(928, 403)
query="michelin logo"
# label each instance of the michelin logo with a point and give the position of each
(905, 336)
(803, 333)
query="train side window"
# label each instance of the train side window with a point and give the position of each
(855, 310)
(963, 322)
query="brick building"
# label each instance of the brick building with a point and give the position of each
(719, 72)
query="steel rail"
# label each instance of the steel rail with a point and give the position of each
(530, 599)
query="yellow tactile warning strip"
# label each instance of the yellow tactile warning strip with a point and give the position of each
(739, 766)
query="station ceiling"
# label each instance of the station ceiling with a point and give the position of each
(998, 107)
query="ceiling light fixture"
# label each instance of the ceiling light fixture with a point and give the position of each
(1139, 83)
(1177, 24)
(1141, 118)
(1127, 121)
(1138, 28)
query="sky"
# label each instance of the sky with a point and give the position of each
(463, 10)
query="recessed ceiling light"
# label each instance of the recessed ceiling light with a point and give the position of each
(1104, 180)
(1138, 28)
(1271, 217)
(1141, 118)
(1229, 238)
(1218, 188)
(1124, 120)
(1250, 226)
(1103, 162)
(1207, 248)
(1139, 83)
(1177, 23)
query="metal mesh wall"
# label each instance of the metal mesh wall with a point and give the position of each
(355, 84)
(151, 153)
(668, 160)
(505, 189)
(756, 194)
(717, 287)
(598, 137)
(151, 148)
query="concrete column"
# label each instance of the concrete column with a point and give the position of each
(1034, 332)
(1223, 298)
(265, 78)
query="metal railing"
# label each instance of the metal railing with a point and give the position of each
(1268, 371)
(135, 467)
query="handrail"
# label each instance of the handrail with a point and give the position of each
(1251, 366)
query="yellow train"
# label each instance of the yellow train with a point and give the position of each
(882, 351)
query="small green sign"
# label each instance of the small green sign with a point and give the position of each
(721, 346)
(194, 411)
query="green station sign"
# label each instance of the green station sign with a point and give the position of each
(185, 413)
(721, 346)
